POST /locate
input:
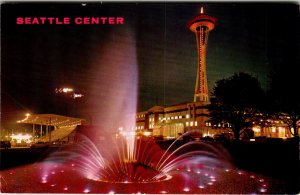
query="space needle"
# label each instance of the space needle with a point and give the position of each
(201, 25)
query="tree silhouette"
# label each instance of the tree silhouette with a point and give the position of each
(237, 101)
(284, 99)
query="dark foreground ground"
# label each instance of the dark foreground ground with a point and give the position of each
(273, 158)
(278, 160)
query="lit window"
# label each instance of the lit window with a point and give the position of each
(256, 129)
(168, 118)
(187, 124)
(172, 117)
(191, 123)
(180, 116)
(176, 117)
(187, 116)
(196, 123)
(273, 129)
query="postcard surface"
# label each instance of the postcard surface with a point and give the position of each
(149, 97)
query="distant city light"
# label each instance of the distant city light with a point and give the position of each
(64, 90)
(77, 95)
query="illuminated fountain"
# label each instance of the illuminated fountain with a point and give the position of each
(142, 163)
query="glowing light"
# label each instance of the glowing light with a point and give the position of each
(256, 129)
(147, 133)
(66, 188)
(201, 10)
(262, 190)
(77, 95)
(111, 192)
(186, 189)
(201, 186)
(273, 129)
(67, 90)
(163, 192)
(21, 137)
(27, 116)
(44, 181)
(86, 190)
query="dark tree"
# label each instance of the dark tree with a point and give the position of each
(236, 100)
(283, 56)
(284, 98)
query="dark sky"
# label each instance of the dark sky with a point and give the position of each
(255, 38)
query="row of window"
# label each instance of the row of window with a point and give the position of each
(209, 124)
(139, 127)
(191, 124)
(140, 116)
(174, 117)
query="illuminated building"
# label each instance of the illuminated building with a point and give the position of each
(52, 127)
(172, 121)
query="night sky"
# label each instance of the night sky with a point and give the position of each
(255, 38)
